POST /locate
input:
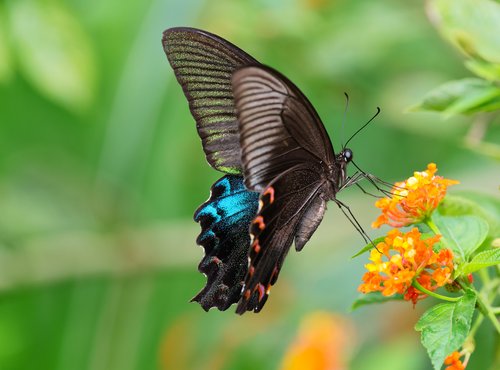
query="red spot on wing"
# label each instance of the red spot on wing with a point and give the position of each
(262, 291)
(259, 222)
(254, 289)
(270, 191)
(256, 246)
(216, 260)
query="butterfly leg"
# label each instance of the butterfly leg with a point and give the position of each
(351, 180)
(368, 193)
(354, 180)
(357, 177)
(347, 212)
(372, 180)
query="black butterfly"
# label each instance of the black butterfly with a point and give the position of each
(281, 170)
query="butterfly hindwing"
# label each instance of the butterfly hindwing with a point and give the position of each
(282, 207)
(203, 64)
(224, 219)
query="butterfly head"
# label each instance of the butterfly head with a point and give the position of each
(346, 155)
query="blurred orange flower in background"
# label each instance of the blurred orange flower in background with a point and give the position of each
(402, 258)
(454, 361)
(414, 199)
(323, 342)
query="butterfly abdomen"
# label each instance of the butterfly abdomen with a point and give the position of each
(310, 221)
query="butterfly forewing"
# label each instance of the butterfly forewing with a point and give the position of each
(279, 128)
(203, 64)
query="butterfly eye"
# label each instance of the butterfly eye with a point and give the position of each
(347, 155)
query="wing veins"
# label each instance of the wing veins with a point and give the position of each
(276, 156)
(211, 50)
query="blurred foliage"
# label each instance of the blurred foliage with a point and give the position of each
(51, 50)
(471, 26)
(101, 169)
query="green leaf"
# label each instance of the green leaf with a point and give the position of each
(485, 100)
(453, 205)
(489, 208)
(468, 95)
(375, 297)
(445, 326)
(54, 52)
(463, 234)
(488, 71)
(490, 257)
(369, 246)
(472, 26)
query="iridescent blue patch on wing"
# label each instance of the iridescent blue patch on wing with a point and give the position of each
(225, 219)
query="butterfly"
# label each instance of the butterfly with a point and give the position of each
(280, 168)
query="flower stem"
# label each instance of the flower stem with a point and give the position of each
(417, 285)
(483, 303)
(428, 221)
(483, 274)
(476, 325)
(488, 312)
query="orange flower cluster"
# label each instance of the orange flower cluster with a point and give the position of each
(454, 361)
(414, 199)
(402, 258)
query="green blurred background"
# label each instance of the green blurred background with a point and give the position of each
(101, 169)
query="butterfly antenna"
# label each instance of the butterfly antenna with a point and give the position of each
(362, 127)
(344, 119)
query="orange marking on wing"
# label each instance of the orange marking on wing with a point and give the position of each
(262, 291)
(246, 295)
(251, 271)
(268, 289)
(259, 221)
(256, 246)
(270, 191)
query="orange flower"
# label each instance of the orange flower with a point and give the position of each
(454, 361)
(322, 343)
(414, 199)
(403, 258)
